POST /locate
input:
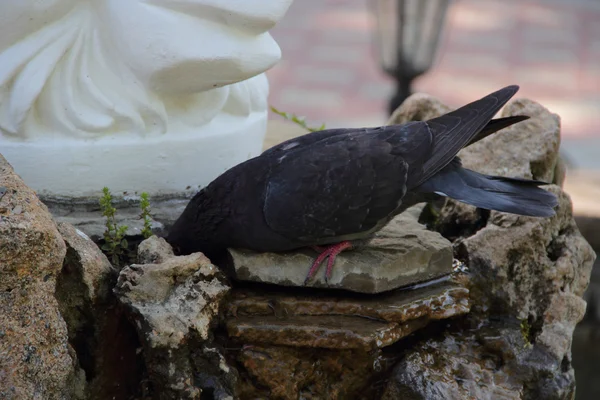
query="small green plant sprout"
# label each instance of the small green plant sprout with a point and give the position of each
(145, 215)
(297, 120)
(526, 332)
(115, 245)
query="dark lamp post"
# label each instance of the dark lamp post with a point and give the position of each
(407, 39)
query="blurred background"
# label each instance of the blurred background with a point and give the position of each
(332, 72)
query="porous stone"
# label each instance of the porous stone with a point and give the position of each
(99, 332)
(84, 258)
(154, 250)
(287, 373)
(174, 304)
(532, 271)
(36, 360)
(402, 253)
(488, 363)
(418, 107)
(528, 149)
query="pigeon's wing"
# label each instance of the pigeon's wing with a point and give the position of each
(312, 138)
(341, 186)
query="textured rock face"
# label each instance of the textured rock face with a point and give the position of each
(36, 360)
(527, 270)
(402, 253)
(174, 303)
(334, 341)
(103, 339)
(418, 107)
(305, 373)
(493, 362)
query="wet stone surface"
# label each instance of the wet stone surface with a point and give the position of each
(328, 344)
(344, 321)
(438, 301)
(401, 254)
(278, 372)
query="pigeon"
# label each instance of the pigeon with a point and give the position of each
(332, 190)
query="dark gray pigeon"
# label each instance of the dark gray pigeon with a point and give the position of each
(334, 188)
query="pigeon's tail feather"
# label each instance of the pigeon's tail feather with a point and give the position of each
(459, 128)
(516, 196)
(495, 125)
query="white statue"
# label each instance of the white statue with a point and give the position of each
(138, 95)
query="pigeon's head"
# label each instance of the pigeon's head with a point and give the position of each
(199, 227)
(186, 238)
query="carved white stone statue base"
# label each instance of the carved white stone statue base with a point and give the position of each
(153, 96)
(158, 165)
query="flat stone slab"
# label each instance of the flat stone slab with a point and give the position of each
(401, 254)
(439, 301)
(340, 322)
(324, 332)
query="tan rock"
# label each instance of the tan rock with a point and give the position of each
(304, 373)
(174, 304)
(528, 149)
(95, 273)
(154, 250)
(103, 339)
(418, 107)
(36, 360)
(531, 271)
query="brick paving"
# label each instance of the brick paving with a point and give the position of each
(551, 48)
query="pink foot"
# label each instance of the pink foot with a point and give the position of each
(329, 251)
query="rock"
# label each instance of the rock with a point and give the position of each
(536, 269)
(533, 271)
(528, 149)
(305, 373)
(418, 107)
(325, 328)
(174, 305)
(402, 253)
(84, 215)
(332, 332)
(103, 339)
(560, 172)
(36, 359)
(486, 363)
(437, 301)
(154, 250)
(85, 259)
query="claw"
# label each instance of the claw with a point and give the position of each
(330, 251)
